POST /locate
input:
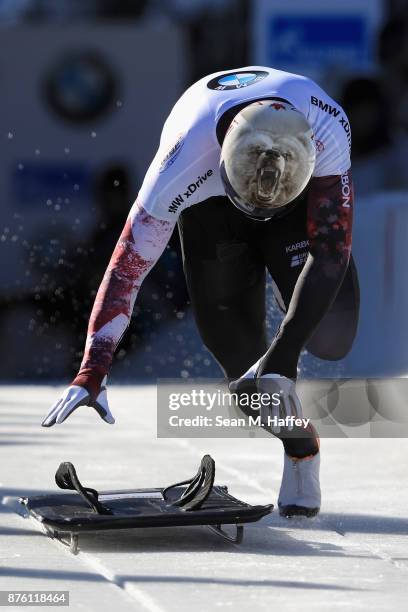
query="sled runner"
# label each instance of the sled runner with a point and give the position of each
(191, 502)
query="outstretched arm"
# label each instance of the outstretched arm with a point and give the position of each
(140, 245)
(181, 174)
(329, 227)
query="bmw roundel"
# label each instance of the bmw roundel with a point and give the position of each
(236, 80)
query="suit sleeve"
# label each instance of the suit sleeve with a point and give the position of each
(329, 228)
(140, 245)
(180, 175)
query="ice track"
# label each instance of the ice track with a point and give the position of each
(353, 556)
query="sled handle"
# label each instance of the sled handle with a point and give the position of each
(199, 487)
(66, 478)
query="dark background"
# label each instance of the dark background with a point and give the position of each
(79, 127)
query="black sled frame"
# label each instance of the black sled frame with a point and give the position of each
(195, 501)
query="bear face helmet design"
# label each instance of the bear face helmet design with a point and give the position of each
(267, 158)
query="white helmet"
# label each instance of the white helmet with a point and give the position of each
(267, 157)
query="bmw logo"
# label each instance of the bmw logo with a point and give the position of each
(80, 86)
(236, 80)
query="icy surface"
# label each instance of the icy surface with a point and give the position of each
(353, 556)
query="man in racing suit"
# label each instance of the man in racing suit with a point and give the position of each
(306, 248)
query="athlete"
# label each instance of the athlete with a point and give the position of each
(254, 165)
